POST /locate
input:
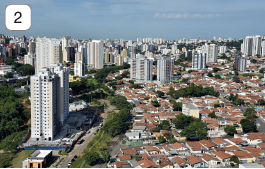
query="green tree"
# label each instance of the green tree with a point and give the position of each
(155, 103)
(210, 74)
(248, 126)
(215, 69)
(136, 86)
(8, 75)
(261, 102)
(212, 115)
(216, 105)
(131, 81)
(177, 106)
(172, 141)
(169, 136)
(160, 94)
(239, 102)
(105, 155)
(195, 130)
(161, 139)
(157, 129)
(253, 61)
(217, 76)
(230, 130)
(250, 112)
(91, 157)
(261, 71)
(171, 91)
(234, 158)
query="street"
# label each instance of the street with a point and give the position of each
(78, 148)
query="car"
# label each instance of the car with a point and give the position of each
(75, 156)
(69, 164)
(73, 160)
(88, 132)
(94, 133)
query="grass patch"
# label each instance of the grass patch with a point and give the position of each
(85, 165)
(252, 74)
(19, 157)
(77, 163)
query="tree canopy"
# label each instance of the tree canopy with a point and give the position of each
(196, 130)
(230, 130)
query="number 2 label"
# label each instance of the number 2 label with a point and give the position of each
(18, 17)
(20, 14)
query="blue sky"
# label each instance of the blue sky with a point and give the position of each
(129, 19)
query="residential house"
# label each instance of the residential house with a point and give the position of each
(210, 160)
(220, 142)
(180, 163)
(196, 162)
(208, 144)
(223, 157)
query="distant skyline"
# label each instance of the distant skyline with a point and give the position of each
(131, 19)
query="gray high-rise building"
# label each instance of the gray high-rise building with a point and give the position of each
(141, 68)
(199, 61)
(251, 45)
(165, 69)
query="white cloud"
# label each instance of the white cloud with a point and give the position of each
(183, 15)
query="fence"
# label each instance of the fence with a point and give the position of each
(46, 147)
(133, 143)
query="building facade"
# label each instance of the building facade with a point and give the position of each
(240, 63)
(95, 54)
(199, 61)
(141, 68)
(49, 101)
(165, 69)
(48, 51)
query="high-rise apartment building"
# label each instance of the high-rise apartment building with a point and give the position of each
(79, 68)
(30, 59)
(95, 54)
(211, 52)
(79, 57)
(251, 45)
(141, 68)
(32, 46)
(165, 69)
(222, 49)
(49, 101)
(48, 51)
(108, 57)
(263, 48)
(240, 63)
(199, 61)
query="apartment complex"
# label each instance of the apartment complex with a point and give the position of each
(49, 101)
(95, 54)
(211, 52)
(141, 68)
(251, 45)
(30, 59)
(199, 61)
(240, 63)
(79, 68)
(108, 57)
(48, 51)
(165, 69)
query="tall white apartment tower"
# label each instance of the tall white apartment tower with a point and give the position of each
(199, 61)
(48, 51)
(165, 69)
(95, 54)
(141, 68)
(212, 53)
(263, 48)
(251, 45)
(222, 49)
(49, 101)
(256, 46)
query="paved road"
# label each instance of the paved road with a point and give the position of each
(262, 125)
(78, 148)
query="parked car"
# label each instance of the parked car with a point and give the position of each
(73, 160)
(80, 141)
(75, 156)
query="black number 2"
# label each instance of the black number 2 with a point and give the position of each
(20, 14)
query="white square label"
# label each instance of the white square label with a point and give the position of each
(18, 17)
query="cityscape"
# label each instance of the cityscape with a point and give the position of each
(174, 98)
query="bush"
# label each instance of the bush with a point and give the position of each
(28, 102)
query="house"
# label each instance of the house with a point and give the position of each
(195, 147)
(152, 150)
(181, 148)
(165, 164)
(133, 136)
(223, 157)
(147, 164)
(180, 163)
(220, 142)
(255, 138)
(129, 152)
(38, 160)
(235, 141)
(121, 164)
(125, 158)
(210, 160)
(244, 157)
(196, 162)
(190, 109)
(208, 144)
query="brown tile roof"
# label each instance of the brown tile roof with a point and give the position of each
(218, 140)
(147, 164)
(130, 151)
(181, 162)
(222, 154)
(208, 143)
(125, 157)
(151, 148)
(178, 145)
(236, 140)
(242, 154)
(145, 156)
(120, 163)
(194, 159)
(165, 163)
(208, 157)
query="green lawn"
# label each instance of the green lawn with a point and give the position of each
(85, 165)
(19, 157)
(77, 163)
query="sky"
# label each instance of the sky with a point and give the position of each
(132, 19)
